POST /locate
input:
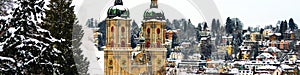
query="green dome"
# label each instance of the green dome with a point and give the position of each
(118, 10)
(154, 13)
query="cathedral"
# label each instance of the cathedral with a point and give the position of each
(149, 57)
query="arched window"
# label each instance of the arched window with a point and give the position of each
(148, 44)
(112, 29)
(123, 44)
(158, 44)
(123, 29)
(148, 30)
(158, 31)
(112, 43)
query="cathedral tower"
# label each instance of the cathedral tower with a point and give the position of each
(154, 27)
(117, 54)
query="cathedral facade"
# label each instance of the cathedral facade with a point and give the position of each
(150, 55)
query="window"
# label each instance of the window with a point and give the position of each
(112, 29)
(123, 29)
(158, 31)
(158, 44)
(112, 43)
(122, 44)
(148, 30)
(148, 44)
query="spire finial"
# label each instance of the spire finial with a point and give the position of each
(118, 2)
(153, 4)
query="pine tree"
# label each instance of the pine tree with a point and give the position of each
(218, 27)
(214, 26)
(292, 24)
(199, 27)
(205, 26)
(285, 25)
(281, 27)
(102, 31)
(59, 20)
(27, 48)
(176, 24)
(229, 26)
(81, 61)
(134, 34)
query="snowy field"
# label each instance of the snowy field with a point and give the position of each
(90, 51)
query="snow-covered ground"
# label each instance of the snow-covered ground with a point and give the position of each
(90, 51)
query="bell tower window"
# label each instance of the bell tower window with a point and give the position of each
(123, 31)
(112, 29)
(148, 30)
(123, 44)
(158, 31)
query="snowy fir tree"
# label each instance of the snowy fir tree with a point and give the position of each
(5, 8)
(26, 48)
(59, 20)
(81, 61)
(102, 36)
(134, 34)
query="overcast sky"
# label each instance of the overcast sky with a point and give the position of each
(260, 12)
(250, 12)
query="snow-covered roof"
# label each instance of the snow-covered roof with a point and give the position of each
(172, 31)
(245, 34)
(154, 20)
(185, 43)
(298, 43)
(227, 37)
(245, 47)
(103, 47)
(196, 54)
(120, 18)
(277, 34)
(213, 38)
(297, 61)
(267, 67)
(283, 66)
(274, 49)
(234, 70)
(267, 55)
(203, 38)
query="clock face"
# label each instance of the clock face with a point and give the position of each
(110, 62)
(158, 61)
(123, 62)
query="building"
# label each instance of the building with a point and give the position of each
(255, 36)
(118, 50)
(154, 31)
(150, 57)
